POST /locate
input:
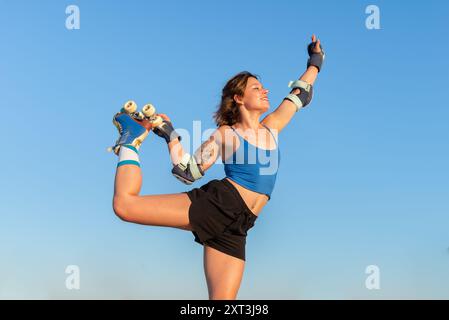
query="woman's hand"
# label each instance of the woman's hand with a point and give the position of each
(166, 130)
(164, 116)
(316, 53)
(317, 47)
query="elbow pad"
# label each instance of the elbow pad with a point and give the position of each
(303, 98)
(187, 171)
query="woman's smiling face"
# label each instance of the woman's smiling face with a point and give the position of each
(255, 96)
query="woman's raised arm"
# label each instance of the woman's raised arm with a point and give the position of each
(302, 90)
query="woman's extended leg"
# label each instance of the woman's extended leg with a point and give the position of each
(223, 274)
(169, 210)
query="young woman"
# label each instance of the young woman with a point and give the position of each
(222, 211)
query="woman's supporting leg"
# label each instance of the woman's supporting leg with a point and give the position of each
(168, 210)
(224, 274)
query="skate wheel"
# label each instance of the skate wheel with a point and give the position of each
(129, 107)
(148, 110)
(157, 121)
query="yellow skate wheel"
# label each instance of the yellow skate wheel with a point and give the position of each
(148, 110)
(130, 107)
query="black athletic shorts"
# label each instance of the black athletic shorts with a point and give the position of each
(220, 218)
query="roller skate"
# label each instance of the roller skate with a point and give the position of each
(134, 126)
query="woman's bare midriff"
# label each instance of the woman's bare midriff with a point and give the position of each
(254, 200)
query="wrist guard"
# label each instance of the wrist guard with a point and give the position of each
(166, 131)
(315, 59)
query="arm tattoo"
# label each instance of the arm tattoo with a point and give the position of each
(206, 152)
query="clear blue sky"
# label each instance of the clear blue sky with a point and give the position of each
(364, 173)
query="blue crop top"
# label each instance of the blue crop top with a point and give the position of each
(252, 167)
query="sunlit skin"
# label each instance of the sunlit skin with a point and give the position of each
(223, 272)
